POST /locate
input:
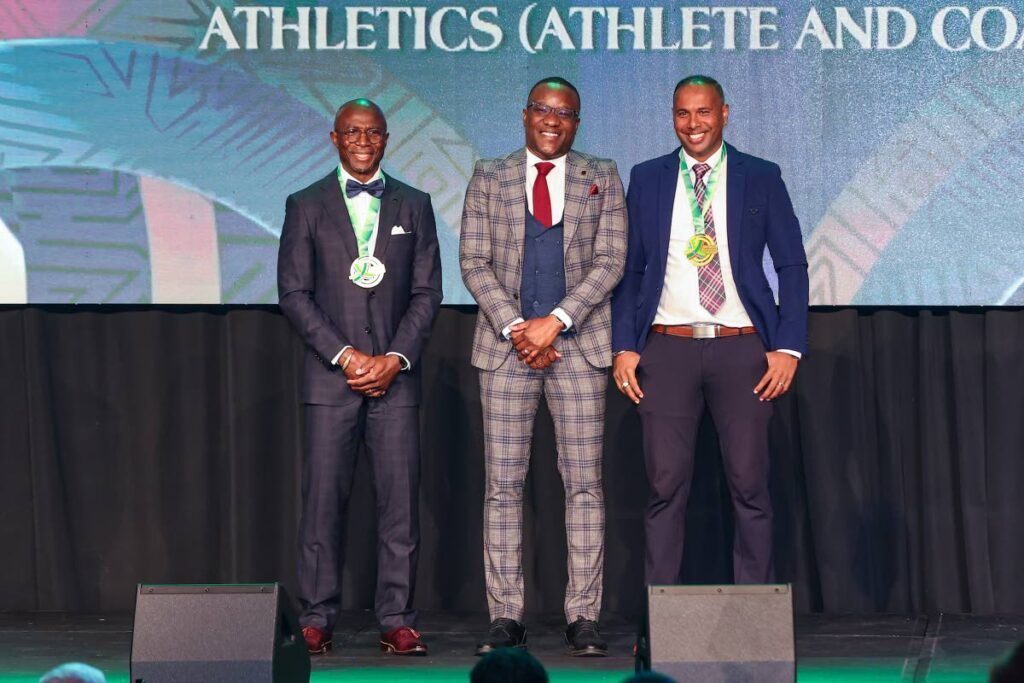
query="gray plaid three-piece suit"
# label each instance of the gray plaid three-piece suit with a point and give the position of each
(491, 256)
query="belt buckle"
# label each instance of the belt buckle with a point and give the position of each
(704, 331)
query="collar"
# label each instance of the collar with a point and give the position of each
(532, 160)
(346, 176)
(691, 162)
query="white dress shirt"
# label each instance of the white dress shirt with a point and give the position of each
(680, 297)
(556, 184)
(680, 300)
(360, 204)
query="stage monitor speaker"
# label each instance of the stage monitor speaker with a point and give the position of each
(217, 633)
(712, 634)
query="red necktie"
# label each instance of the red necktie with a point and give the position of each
(541, 197)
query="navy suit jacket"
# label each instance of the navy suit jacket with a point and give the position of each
(329, 312)
(760, 214)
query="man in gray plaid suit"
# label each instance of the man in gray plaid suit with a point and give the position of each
(543, 243)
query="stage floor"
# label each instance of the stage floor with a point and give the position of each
(843, 649)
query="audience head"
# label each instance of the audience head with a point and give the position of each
(508, 665)
(1012, 670)
(73, 673)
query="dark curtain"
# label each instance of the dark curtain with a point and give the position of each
(163, 444)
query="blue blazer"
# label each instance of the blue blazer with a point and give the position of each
(760, 214)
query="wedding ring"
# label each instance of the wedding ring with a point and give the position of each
(625, 385)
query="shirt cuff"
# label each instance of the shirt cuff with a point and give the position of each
(507, 332)
(795, 354)
(563, 317)
(334, 361)
(402, 359)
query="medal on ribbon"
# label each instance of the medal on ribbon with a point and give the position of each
(700, 250)
(366, 272)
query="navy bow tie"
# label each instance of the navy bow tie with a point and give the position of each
(374, 188)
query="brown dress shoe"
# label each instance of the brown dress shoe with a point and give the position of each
(317, 642)
(403, 640)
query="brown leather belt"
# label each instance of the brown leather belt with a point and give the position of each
(702, 331)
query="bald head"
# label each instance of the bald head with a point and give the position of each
(360, 135)
(360, 105)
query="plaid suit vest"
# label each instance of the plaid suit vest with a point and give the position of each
(543, 285)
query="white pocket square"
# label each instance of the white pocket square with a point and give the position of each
(398, 230)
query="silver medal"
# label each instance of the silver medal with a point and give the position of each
(367, 271)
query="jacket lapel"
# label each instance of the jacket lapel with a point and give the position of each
(736, 175)
(512, 184)
(667, 182)
(337, 215)
(390, 202)
(577, 187)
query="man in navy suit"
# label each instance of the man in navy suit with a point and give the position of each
(359, 278)
(695, 324)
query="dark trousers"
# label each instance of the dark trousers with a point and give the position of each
(333, 435)
(679, 378)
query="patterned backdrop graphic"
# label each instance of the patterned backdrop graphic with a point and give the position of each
(137, 167)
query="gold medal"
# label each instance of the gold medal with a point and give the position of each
(700, 250)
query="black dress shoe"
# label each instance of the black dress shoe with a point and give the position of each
(584, 639)
(502, 633)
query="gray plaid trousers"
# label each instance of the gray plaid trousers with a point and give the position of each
(575, 393)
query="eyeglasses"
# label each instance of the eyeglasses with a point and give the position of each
(561, 112)
(374, 135)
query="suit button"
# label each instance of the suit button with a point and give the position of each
(372, 292)
(515, 296)
(536, 303)
(366, 330)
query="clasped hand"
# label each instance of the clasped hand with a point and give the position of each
(371, 375)
(533, 341)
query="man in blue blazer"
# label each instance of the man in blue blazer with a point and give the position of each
(695, 324)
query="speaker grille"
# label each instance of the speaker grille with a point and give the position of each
(722, 633)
